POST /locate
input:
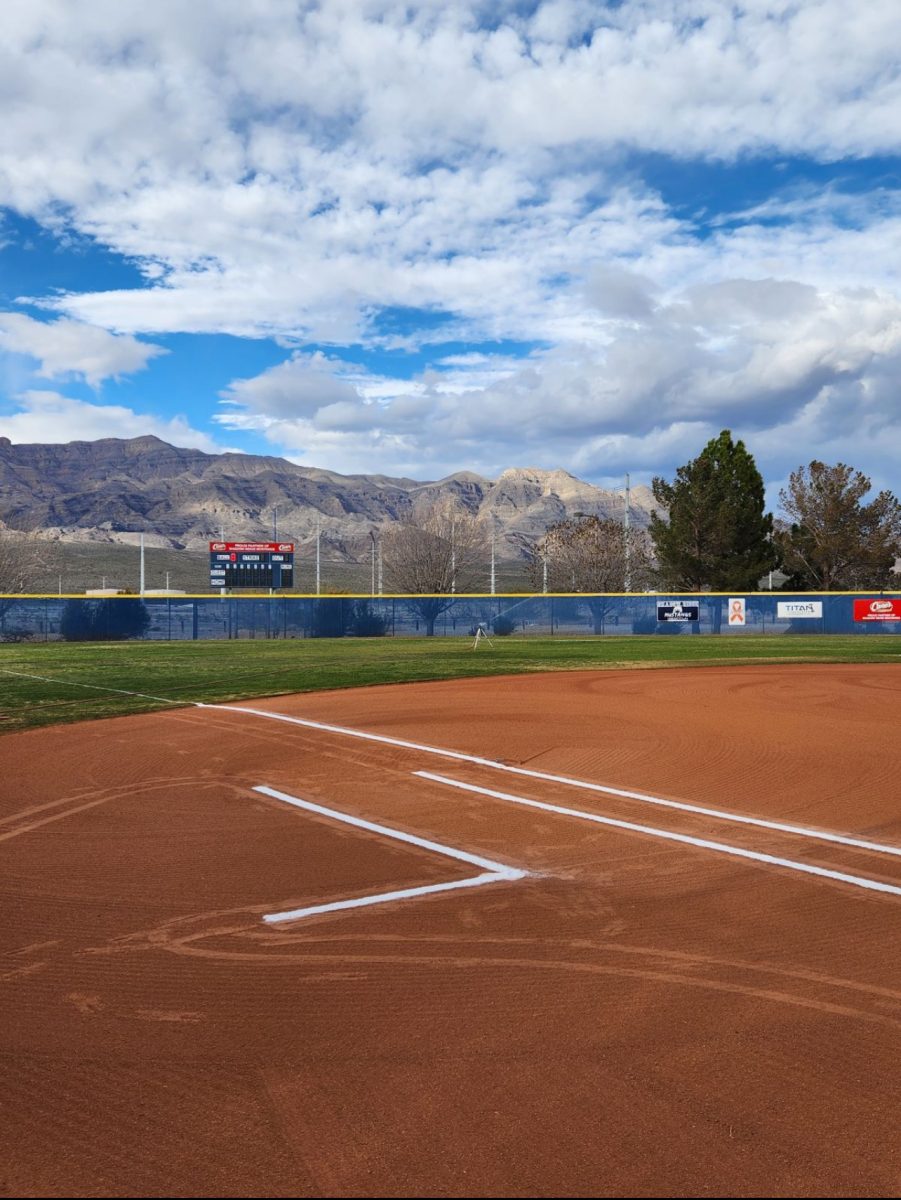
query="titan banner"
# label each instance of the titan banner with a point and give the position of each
(793, 610)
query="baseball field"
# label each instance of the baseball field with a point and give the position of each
(580, 917)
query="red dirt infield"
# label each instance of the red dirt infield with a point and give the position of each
(635, 1017)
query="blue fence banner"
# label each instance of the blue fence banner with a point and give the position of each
(192, 618)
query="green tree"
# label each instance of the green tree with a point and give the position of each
(76, 621)
(118, 620)
(717, 535)
(830, 540)
(110, 620)
(365, 621)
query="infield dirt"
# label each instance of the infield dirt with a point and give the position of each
(636, 1017)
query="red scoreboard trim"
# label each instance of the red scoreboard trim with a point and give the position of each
(253, 547)
(877, 610)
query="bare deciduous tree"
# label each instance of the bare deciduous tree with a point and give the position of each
(592, 554)
(831, 540)
(437, 556)
(23, 561)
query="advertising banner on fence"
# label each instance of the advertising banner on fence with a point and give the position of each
(252, 547)
(877, 610)
(678, 610)
(737, 611)
(793, 610)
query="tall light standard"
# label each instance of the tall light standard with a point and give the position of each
(275, 522)
(453, 553)
(627, 535)
(318, 535)
(493, 557)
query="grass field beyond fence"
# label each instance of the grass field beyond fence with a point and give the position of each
(62, 682)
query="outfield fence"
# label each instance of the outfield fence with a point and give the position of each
(186, 618)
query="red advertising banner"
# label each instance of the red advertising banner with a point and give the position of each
(877, 610)
(254, 547)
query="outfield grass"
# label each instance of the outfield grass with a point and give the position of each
(77, 676)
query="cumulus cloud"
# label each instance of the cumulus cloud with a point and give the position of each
(48, 416)
(752, 355)
(71, 348)
(291, 169)
(294, 171)
(301, 386)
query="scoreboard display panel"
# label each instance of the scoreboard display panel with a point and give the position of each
(259, 565)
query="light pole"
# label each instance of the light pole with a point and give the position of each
(493, 559)
(453, 554)
(318, 532)
(275, 522)
(627, 536)
(372, 538)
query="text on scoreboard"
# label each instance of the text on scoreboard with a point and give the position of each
(251, 564)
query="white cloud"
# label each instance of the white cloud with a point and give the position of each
(750, 355)
(71, 348)
(295, 170)
(289, 170)
(301, 386)
(47, 416)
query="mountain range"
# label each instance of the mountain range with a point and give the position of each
(113, 490)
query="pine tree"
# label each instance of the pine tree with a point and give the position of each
(717, 535)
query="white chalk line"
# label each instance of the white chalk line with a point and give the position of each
(861, 881)
(93, 686)
(494, 873)
(582, 784)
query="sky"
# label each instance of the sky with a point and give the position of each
(420, 238)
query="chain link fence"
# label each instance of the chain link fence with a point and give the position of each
(176, 618)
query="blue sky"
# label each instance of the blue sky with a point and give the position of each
(418, 239)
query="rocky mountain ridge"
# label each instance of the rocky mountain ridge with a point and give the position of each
(113, 490)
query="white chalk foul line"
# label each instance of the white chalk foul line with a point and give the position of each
(874, 885)
(582, 784)
(95, 687)
(494, 872)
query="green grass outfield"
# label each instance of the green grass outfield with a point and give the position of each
(82, 682)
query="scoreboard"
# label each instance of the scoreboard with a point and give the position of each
(251, 565)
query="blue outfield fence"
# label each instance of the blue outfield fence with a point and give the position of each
(193, 618)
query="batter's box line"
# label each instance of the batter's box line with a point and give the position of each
(493, 872)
